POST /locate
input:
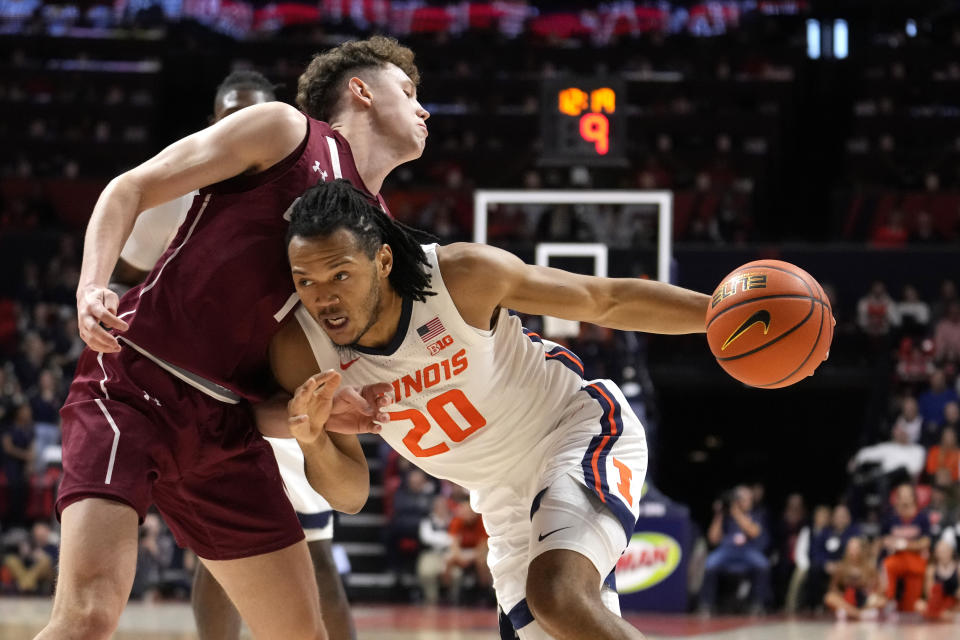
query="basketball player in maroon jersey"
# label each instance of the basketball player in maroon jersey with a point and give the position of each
(159, 410)
(215, 615)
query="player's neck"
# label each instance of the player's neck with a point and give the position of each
(372, 158)
(388, 322)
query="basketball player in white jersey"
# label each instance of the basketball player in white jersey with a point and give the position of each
(555, 463)
(216, 617)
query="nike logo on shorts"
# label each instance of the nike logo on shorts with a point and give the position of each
(544, 535)
(344, 367)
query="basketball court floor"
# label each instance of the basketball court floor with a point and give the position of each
(21, 618)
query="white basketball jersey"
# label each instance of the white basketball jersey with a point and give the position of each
(472, 406)
(153, 231)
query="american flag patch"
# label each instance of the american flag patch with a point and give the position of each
(430, 330)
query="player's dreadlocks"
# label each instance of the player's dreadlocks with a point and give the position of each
(330, 206)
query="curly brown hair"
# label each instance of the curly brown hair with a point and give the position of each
(317, 93)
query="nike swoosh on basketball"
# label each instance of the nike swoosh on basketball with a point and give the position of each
(344, 367)
(544, 535)
(759, 317)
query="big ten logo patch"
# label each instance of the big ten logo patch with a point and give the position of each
(740, 282)
(440, 345)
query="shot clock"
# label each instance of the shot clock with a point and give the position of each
(583, 121)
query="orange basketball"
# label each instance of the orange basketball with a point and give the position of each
(769, 324)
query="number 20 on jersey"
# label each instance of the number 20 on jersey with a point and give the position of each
(439, 410)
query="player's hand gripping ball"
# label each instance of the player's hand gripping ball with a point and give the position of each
(769, 324)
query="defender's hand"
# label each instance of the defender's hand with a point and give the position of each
(360, 410)
(311, 406)
(98, 305)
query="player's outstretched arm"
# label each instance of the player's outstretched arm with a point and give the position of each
(481, 278)
(250, 140)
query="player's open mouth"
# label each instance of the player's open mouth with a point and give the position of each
(335, 323)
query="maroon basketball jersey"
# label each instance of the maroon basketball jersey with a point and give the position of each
(223, 287)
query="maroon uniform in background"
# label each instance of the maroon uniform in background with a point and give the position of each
(166, 420)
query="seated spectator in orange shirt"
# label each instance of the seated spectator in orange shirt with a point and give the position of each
(468, 546)
(945, 455)
(907, 542)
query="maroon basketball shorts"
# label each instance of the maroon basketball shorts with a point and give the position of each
(138, 435)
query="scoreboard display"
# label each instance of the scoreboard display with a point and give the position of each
(583, 121)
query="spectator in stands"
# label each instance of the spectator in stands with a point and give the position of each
(46, 398)
(951, 416)
(155, 556)
(826, 551)
(31, 360)
(45, 401)
(876, 311)
(897, 456)
(739, 538)
(792, 522)
(32, 566)
(939, 511)
(942, 585)
(801, 556)
(924, 232)
(562, 223)
(10, 393)
(909, 419)
(945, 455)
(29, 291)
(438, 215)
(914, 361)
(18, 457)
(906, 541)
(946, 337)
(411, 504)
(68, 346)
(468, 548)
(653, 175)
(944, 483)
(434, 544)
(762, 517)
(854, 585)
(913, 313)
(933, 401)
(892, 234)
(948, 295)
